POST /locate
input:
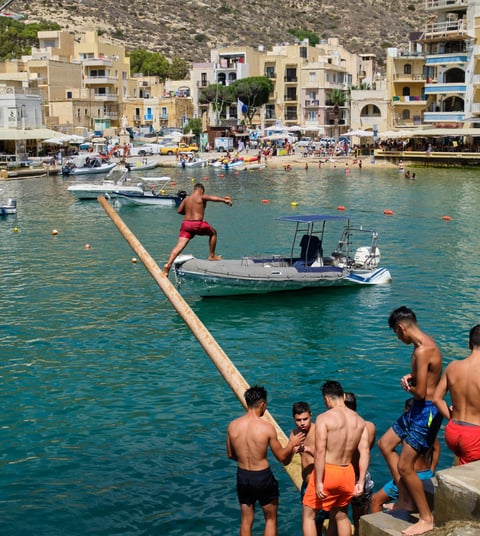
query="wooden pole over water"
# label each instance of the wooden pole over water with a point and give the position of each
(227, 369)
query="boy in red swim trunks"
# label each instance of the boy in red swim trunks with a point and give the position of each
(193, 210)
(462, 379)
(339, 432)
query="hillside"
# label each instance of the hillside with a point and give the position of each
(189, 28)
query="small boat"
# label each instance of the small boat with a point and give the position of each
(190, 160)
(91, 190)
(141, 165)
(148, 197)
(9, 208)
(310, 269)
(87, 165)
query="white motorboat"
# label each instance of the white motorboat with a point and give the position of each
(141, 165)
(87, 165)
(190, 160)
(310, 269)
(148, 197)
(91, 190)
(9, 208)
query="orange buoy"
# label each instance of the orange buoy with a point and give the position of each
(173, 183)
(236, 173)
(446, 218)
(221, 175)
(265, 201)
(54, 232)
(388, 212)
(340, 207)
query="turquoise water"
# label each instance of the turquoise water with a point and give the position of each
(113, 419)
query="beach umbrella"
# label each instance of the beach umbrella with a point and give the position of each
(359, 133)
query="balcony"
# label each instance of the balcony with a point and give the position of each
(105, 97)
(312, 104)
(270, 74)
(290, 98)
(444, 30)
(202, 83)
(291, 116)
(97, 62)
(148, 117)
(110, 80)
(410, 99)
(443, 117)
(290, 79)
(431, 5)
(408, 77)
(445, 88)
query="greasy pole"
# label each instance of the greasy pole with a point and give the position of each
(227, 369)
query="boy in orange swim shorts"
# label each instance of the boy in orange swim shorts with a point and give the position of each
(338, 486)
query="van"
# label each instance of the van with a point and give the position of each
(223, 144)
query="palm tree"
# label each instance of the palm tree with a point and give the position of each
(336, 99)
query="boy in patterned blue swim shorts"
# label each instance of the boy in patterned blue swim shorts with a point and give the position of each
(418, 428)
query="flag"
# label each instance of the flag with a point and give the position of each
(242, 107)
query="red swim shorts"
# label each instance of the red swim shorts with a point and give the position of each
(190, 228)
(463, 439)
(338, 485)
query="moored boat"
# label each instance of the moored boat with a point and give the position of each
(9, 208)
(310, 269)
(91, 190)
(141, 165)
(87, 165)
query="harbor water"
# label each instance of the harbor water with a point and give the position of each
(113, 419)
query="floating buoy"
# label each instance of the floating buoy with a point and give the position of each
(236, 173)
(265, 201)
(162, 192)
(205, 178)
(388, 212)
(193, 180)
(54, 232)
(87, 246)
(134, 260)
(222, 175)
(173, 183)
(15, 229)
(340, 207)
(293, 203)
(446, 218)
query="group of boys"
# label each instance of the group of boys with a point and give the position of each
(335, 450)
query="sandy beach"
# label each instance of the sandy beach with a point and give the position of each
(294, 161)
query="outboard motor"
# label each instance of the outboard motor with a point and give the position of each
(128, 166)
(367, 257)
(12, 203)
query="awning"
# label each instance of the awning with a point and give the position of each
(18, 134)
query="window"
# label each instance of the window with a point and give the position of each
(406, 114)
(407, 69)
(304, 52)
(203, 78)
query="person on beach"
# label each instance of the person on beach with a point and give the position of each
(417, 429)
(193, 210)
(462, 380)
(248, 439)
(361, 504)
(425, 467)
(339, 432)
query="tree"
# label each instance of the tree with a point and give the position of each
(178, 69)
(253, 93)
(218, 95)
(18, 38)
(336, 98)
(149, 63)
(194, 125)
(313, 39)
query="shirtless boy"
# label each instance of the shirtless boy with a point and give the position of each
(193, 210)
(248, 439)
(339, 432)
(417, 429)
(462, 380)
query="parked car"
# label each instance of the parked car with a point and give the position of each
(175, 148)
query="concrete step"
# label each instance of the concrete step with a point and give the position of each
(454, 497)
